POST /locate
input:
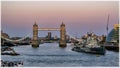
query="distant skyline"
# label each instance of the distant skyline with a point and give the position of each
(79, 17)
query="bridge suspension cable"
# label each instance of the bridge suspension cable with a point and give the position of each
(16, 40)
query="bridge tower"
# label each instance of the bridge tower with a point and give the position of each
(35, 36)
(62, 42)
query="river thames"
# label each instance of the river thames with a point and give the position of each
(51, 55)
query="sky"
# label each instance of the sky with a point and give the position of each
(80, 17)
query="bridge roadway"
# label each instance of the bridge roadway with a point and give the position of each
(49, 29)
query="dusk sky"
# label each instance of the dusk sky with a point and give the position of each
(79, 17)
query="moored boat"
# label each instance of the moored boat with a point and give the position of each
(8, 51)
(90, 44)
(99, 50)
(12, 54)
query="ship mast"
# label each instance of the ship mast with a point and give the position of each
(107, 24)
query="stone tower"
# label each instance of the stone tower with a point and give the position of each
(62, 35)
(35, 36)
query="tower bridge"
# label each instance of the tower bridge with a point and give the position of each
(35, 42)
(61, 29)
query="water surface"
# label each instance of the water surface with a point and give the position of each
(51, 55)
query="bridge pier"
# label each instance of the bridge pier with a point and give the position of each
(62, 42)
(35, 42)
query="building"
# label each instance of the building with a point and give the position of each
(113, 36)
(15, 38)
(5, 35)
(55, 37)
(49, 35)
(112, 40)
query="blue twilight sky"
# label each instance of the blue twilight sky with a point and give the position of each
(79, 17)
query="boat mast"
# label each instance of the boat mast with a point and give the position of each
(107, 24)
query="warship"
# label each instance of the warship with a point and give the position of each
(90, 43)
